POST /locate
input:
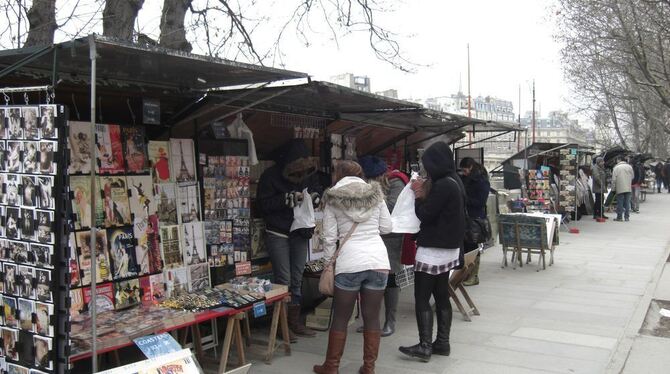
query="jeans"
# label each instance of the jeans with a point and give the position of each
(635, 198)
(598, 205)
(659, 184)
(368, 279)
(288, 257)
(623, 205)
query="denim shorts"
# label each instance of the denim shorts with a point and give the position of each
(368, 279)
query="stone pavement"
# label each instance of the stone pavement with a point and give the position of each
(581, 315)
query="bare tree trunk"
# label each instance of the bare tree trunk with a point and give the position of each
(118, 18)
(42, 19)
(173, 34)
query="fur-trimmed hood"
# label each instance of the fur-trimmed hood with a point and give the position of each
(354, 197)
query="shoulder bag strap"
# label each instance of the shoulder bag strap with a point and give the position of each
(344, 240)
(465, 198)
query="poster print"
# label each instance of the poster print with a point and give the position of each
(9, 306)
(44, 223)
(12, 285)
(116, 205)
(176, 281)
(79, 143)
(14, 151)
(122, 252)
(104, 296)
(42, 254)
(127, 293)
(103, 272)
(30, 122)
(48, 115)
(47, 163)
(182, 160)
(10, 339)
(76, 302)
(194, 243)
(3, 189)
(26, 309)
(12, 222)
(188, 203)
(157, 287)
(165, 195)
(3, 155)
(25, 280)
(45, 195)
(145, 286)
(42, 348)
(18, 252)
(12, 192)
(30, 161)
(44, 313)
(29, 195)
(159, 156)
(3, 122)
(142, 202)
(198, 277)
(27, 224)
(75, 280)
(142, 245)
(135, 149)
(80, 186)
(14, 128)
(148, 248)
(43, 290)
(171, 246)
(109, 152)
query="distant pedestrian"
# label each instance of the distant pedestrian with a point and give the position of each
(477, 187)
(622, 180)
(658, 172)
(638, 178)
(599, 187)
(666, 174)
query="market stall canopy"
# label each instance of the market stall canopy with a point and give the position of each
(538, 149)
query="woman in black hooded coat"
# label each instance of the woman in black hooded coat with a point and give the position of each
(441, 211)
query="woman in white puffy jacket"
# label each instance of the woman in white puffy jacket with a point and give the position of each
(355, 209)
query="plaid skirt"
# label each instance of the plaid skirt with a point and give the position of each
(436, 261)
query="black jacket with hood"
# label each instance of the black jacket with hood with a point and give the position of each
(292, 172)
(441, 212)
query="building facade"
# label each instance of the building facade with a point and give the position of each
(359, 82)
(558, 128)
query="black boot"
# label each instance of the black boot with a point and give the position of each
(441, 343)
(391, 296)
(424, 349)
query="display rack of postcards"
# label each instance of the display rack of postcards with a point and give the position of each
(539, 190)
(33, 235)
(567, 185)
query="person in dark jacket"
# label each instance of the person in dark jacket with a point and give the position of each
(658, 173)
(666, 174)
(441, 211)
(279, 190)
(375, 169)
(638, 178)
(477, 188)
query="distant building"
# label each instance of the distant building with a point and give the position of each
(558, 128)
(359, 82)
(487, 108)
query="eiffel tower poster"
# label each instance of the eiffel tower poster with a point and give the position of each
(193, 238)
(182, 156)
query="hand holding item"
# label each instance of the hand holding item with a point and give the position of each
(316, 199)
(293, 198)
(418, 188)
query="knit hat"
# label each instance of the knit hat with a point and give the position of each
(373, 166)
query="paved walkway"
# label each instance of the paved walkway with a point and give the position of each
(581, 315)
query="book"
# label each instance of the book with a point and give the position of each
(193, 238)
(188, 203)
(135, 149)
(170, 237)
(103, 270)
(182, 160)
(109, 149)
(165, 195)
(104, 294)
(127, 293)
(79, 145)
(122, 254)
(159, 157)
(142, 202)
(115, 203)
(80, 187)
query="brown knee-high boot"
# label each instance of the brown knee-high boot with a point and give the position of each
(336, 341)
(370, 350)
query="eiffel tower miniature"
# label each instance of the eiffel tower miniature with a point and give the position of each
(184, 174)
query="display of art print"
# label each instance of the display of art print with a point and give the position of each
(30, 161)
(75, 280)
(3, 156)
(176, 281)
(14, 127)
(135, 149)
(103, 272)
(182, 160)
(18, 252)
(188, 203)
(193, 237)
(27, 224)
(148, 245)
(127, 293)
(48, 114)
(43, 291)
(76, 302)
(25, 281)
(116, 205)
(29, 194)
(122, 253)
(80, 187)
(159, 157)
(10, 339)
(79, 143)
(3, 122)
(157, 287)
(258, 249)
(145, 286)
(11, 279)
(14, 152)
(12, 191)
(198, 277)
(104, 296)
(44, 223)
(44, 312)
(109, 149)
(42, 348)
(26, 309)
(165, 195)
(42, 254)
(45, 195)
(12, 222)
(171, 246)
(142, 202)
(47, 164)
(142, 245)
(30, 122)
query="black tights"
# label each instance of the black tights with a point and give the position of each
(426, 285)
(343, 306)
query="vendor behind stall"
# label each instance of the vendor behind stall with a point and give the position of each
(279, 190)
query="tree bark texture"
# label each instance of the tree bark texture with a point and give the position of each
(173, 34)
(42, 20)
(118, 18)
